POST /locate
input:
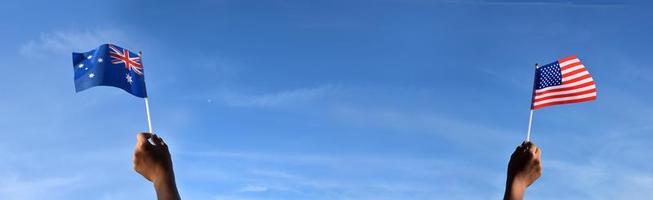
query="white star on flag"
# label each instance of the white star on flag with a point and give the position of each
(100, 60)
(80, 65)
(91, 75)
(129, 79)
(89, 57)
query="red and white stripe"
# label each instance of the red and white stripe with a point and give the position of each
(577, 86)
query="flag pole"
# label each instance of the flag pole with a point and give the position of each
(147, 111)
(147, 103)
(530, 117)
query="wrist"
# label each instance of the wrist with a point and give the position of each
(163, 178)
(166, 187)
(162, 175)
(514, 189)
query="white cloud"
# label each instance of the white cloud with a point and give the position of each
(455, 130)
(63, 42)
(16, 188)
(280, 98)
(601, 180)
(253, 188)
(335, 178)
(229, 197)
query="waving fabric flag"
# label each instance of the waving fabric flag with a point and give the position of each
(109, 65)
(562, 82)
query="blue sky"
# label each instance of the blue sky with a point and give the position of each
(287, 99)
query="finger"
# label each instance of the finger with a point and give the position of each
(142, 137)
(157, 140)
(533, 148)
(523, 147)
(135, 160)
(163, 143)
(530, 146)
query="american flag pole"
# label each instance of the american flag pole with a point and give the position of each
(147, 103)
(530, 122)
(530, 117)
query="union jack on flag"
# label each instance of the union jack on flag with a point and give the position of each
(123, 57)
(110, 65)
(562, 82)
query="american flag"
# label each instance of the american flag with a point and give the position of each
(562, 82)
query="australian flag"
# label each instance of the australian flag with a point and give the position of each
(109, 65)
